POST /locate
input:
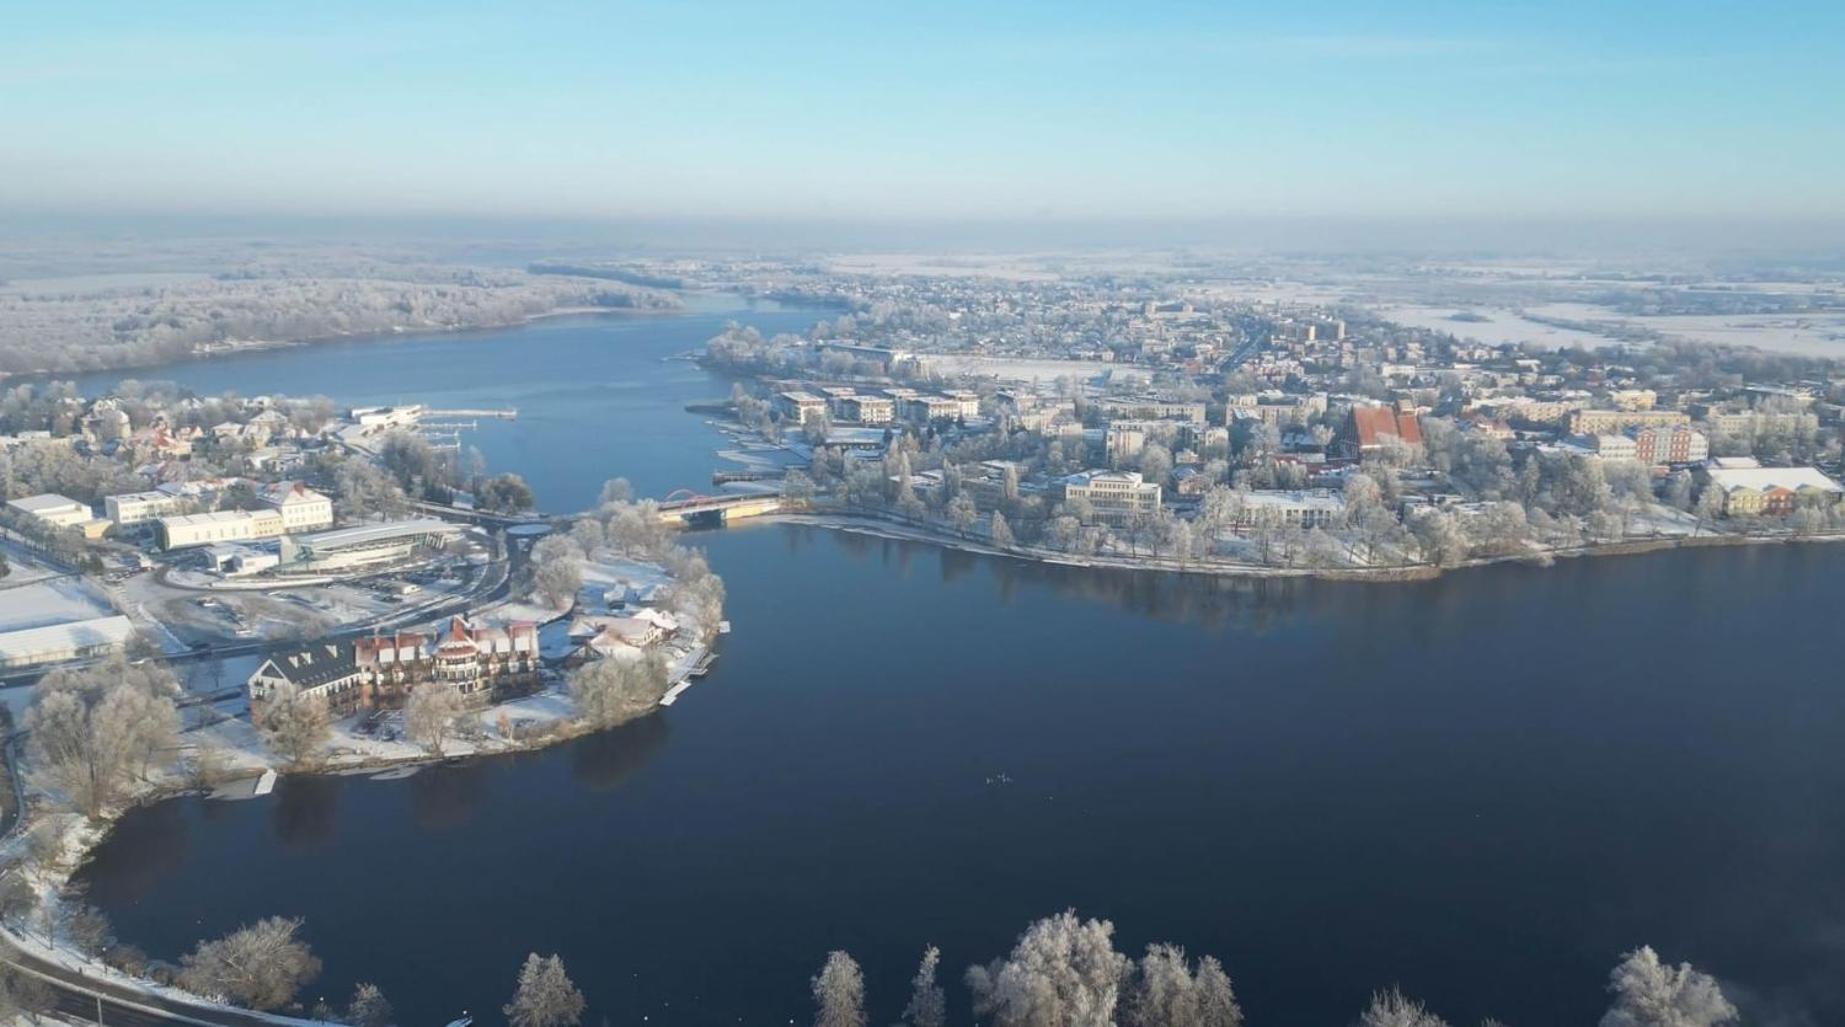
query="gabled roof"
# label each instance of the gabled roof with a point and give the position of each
(320, 664)
(1371, 425)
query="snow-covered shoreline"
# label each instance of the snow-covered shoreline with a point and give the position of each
(879, 526)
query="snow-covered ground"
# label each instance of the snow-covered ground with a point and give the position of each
(31, 598)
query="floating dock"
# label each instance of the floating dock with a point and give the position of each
(698, 671)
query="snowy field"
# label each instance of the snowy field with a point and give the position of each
(48, 601)
(1501, 327)
(1813, 335)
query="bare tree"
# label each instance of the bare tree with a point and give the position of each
(1648, 993)
(17, 900)
(88, 929)
(430, 713)
(260, 965)
(839, 993)
(1062, 973)
(22, 994)
(928, 1005)
(545, 997)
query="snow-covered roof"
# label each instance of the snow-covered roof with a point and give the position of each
(1764, 478)
(29, 645)
(46, 502)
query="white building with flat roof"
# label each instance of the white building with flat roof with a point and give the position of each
(203, 529)
(52, 509)
(1117, 497)
(132, 508)
(1304, 508)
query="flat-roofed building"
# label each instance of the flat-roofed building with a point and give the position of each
(133, 508)
(800, 407)
(1303, 508)
(52, 510)
(58, 643)
(1609, 447)
(182, 531)
(1155, 409)
(868, 409)
(1607, 422)
(925, 408)
(362, 546)
(1117, 497)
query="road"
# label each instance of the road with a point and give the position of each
(85, 998)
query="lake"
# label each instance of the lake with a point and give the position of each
(1483, 788)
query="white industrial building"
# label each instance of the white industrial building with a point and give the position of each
(363, 546)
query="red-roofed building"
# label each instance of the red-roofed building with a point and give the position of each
(482, 663)
(1369, 429)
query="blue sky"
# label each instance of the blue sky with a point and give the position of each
(932, 110)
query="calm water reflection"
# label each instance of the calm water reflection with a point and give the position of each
(1483, 787)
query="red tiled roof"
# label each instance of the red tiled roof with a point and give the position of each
(1371, 425)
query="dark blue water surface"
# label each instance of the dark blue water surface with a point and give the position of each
(1482, 788)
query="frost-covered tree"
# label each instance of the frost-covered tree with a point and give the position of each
(557, 570)
(1217, 1005)
(1063, 972)
(294, 726)
(260, 965)
(544, 997)
(615, 490)
(503, 493)
(96, 729)
(839, 993)
(362, 490)
(1000, 531)
(369, 1007)
(430, 714)
(1394, 1009)
(1168, 993)
(1648, 993)
(928, 1006)
(612, 690)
